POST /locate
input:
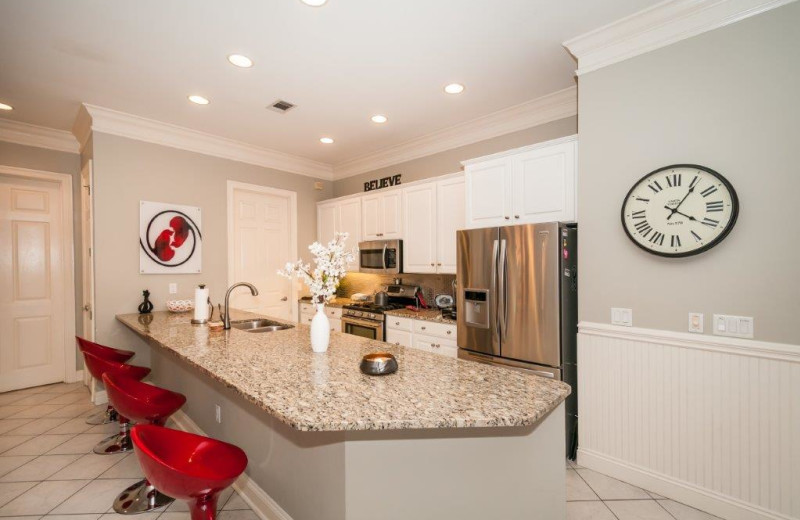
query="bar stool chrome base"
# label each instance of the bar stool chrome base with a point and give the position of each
(140, 497)
(107, 416)
(119, 443)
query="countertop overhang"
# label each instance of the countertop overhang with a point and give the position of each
(278, 372)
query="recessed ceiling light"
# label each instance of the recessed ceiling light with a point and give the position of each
(200, 100)
(379, 118)
(315, 3)
(454, 88)
(240, 60)
(326, 140)
(3, 106)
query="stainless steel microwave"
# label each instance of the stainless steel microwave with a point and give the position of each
(380, 257)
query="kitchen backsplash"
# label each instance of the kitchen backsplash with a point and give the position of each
(431, 284)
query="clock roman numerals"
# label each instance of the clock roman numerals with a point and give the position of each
(694, 181)
(640, 199)
(696, 237)
(638, 214)
(644, 228)
(674, 180)
(714, 206)
(657, 238)
(710, 222)
(675, 241)
(655, 186)
(708, 191)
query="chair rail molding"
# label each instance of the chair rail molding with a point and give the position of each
(658, 26)
(39, 136)
(709, 421)
(544, 109)
(93, 118)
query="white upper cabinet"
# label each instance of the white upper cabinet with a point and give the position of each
(327, 221)
(419, 245)
(382, 216)
(433, 211)
(528, 185)
(350, 220)
(450, 217)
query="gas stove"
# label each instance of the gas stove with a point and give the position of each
(369, 311)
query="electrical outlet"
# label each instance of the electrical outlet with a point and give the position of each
(620, 316)
(696, 322)
(173, 288)
(218, 413)
(735, 326)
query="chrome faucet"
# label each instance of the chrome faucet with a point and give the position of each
(226, 316)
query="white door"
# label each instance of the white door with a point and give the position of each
(87, 251)
(544, 184)
(263, 228)
(327, 221)
(450, 217)
(350, 220)
(371, 217)
(488, 193)
(392, 212)
(32, 283)
(419, 246)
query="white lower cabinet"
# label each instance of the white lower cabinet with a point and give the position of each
(439, 338)
(334, 315)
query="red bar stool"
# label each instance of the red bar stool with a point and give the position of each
(142, 404)
(111, 354)
(187, 466)
(97, 366)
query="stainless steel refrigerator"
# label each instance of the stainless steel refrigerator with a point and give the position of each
(517, 302)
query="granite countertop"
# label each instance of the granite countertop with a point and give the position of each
(338, 302)
(422, 314)
(278, 372)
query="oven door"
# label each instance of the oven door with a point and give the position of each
(380, 257)
(364, 328)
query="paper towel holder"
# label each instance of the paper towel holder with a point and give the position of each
(210, 306)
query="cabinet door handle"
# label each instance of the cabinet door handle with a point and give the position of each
(516, 216)
(422, 328)
(431, 264)
(397, 323)
(508, 218)
(439, 263)
(449, 331)
(397, 343)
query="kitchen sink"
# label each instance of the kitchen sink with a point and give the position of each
(260, 325)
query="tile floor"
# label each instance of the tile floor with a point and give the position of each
(593, 496)
(48, 470)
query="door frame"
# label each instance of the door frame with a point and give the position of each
(64, 180)
(292, 196)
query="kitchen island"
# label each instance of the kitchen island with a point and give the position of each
(441, 438)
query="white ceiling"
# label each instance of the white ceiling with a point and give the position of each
(339, 64)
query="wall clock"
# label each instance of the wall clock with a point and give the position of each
(680, 210)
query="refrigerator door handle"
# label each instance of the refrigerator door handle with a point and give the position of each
(503, 293)
(496, 324)
(543, 237)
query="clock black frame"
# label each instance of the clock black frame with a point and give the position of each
(720, 238)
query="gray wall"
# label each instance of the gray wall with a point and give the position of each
(33, 158)
(449, 161)
(727, 100)
(127, 171)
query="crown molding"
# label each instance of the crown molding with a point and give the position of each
(658, 26)
(39, 136)
(109, 121)
(545, 109)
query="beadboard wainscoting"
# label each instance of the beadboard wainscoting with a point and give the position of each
(711, 422)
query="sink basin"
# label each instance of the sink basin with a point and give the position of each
(260, 325)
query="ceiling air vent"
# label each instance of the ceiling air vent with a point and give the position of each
(281, 106)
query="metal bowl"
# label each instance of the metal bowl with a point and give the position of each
(378, 364)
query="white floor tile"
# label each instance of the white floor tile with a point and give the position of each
(595, 510)
(34, 399)
(34, 517)
(11, 490)
(655, 496)
(41, 498)
(85, 467)
(238, 514)
(39, 445)
(70, 398)
(141, 516)
(7, 425)
(10, 410)
(11, 463)
(77, 425)
(128, 467)
(96, 497)
(71, 517)
(10, 398)
(71, 410)
(176, 515)
(8, 442)
(39, 468)
(608, 488)
(35, 412)
(236, 502)
(38, 426)
(180, 506)
(81, 443)
(577, 489)
(684, 512)
(638, 510)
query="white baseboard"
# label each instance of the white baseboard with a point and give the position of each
(100, 397)
(262, 504)
(708, 501)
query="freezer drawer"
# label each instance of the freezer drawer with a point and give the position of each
(531, 368)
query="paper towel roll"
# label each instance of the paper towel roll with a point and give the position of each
(201, 303)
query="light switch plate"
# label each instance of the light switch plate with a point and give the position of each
(696, 322)
(621, 316)
(173, 288)
(218, 413)
(734, 326)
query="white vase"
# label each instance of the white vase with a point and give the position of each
(320, 330)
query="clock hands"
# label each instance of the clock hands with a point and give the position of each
(675, 209)
(679, 213)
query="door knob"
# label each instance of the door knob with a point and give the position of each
(87, 307)
(284, 298)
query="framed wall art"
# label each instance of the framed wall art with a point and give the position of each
(170, 241)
